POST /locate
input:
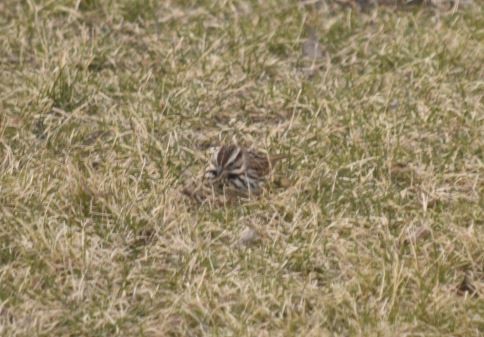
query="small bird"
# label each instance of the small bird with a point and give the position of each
(242, 170)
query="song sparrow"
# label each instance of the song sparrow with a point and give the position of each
(241, 170)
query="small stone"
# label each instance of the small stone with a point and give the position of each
(394, 104)
(282, 182)
(249, 237)
(311, 48)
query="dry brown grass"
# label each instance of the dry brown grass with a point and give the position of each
(108, 106)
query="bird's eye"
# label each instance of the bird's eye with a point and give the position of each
(211, 174)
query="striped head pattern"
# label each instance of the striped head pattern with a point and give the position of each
(240, 169)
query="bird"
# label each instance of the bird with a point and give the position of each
(239, 170)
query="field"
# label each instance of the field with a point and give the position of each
(372, 226)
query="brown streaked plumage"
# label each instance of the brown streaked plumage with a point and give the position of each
(243, 170)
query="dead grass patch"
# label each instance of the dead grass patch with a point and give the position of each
(372, 226)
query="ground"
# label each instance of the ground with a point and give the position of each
(372, 225)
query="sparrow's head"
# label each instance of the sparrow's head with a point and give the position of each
(225, 160)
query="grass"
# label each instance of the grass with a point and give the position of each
(107, 108)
